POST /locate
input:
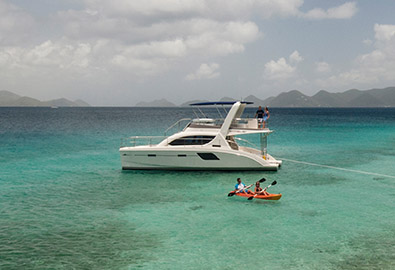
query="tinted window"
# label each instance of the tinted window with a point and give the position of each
(208, 156)
(192, 140)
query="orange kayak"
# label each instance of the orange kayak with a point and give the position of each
(262, 197)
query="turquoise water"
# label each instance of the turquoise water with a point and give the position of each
(66, 204)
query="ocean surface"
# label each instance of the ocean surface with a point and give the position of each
(65, 203)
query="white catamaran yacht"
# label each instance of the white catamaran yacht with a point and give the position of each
(204, 144)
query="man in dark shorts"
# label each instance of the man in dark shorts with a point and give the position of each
(259, 113)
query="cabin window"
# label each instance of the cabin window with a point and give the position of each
(232, 143)
(208, 156)
(192, 140)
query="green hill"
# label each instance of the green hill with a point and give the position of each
(292, 98)
(9, 99)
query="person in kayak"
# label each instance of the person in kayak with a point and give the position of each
(259, 190)
(241, 187)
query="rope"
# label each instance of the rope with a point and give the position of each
(337, 168)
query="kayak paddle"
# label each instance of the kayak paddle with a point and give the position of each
(272, 184)
(232, 193)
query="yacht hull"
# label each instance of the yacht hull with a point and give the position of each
(133, 158)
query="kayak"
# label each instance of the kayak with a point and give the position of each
(262, 197)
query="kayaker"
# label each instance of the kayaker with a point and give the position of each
(259, 190)
(241, 187)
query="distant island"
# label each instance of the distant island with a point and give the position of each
(384, 97)
(9, 99)
(156, 103)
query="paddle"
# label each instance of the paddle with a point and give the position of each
(272, 184)
(232, 193)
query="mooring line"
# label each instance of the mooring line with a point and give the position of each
(336, 168)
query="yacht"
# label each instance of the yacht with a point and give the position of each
(203, 144)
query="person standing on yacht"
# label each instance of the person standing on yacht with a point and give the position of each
(266, 116)
(260, 114)
(241, 187)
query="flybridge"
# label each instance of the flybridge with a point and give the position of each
(220, 103)
(236, 113)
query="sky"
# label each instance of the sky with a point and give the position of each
(121, 52)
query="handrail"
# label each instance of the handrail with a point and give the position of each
(176, 123)
(145, 137)
(248, 142)
(133, 140)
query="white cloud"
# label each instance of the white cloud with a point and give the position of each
(344, 11)
(216, 38)
(384, 32)
(147, 7)
(374, 67)
(322, 67)
(47, 56)
(205, 71)
(147, 36)
(131, 40)
(213, 9)
(280, 69)
(295, 57)
(15, 24)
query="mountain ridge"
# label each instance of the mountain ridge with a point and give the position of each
(376, 97)
(10, 99)
(383, 97)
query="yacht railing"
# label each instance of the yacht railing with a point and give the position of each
(178, 125)
(250, 123)
(142, 140)
(248, 143)
(244, 123)
(207, 122)
(250, 147)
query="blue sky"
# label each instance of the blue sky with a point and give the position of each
(121, 52)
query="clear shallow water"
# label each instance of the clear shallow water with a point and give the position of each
(65, 203)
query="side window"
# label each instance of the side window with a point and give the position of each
(208, 156)
(192, 140)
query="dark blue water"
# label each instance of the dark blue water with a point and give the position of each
(66, 204)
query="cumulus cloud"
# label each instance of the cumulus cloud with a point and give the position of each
(123, 39)
(345, 11)
(373, 67)
(213, 9)
(384, 32)
(322, 67)
(48, 55)
(205, 71)
(281, 69)
(15, 24)
(295, 57)
(148, 36)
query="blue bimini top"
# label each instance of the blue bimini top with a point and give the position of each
(219, 103)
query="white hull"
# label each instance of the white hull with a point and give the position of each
(133, 158)
(204, 144)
